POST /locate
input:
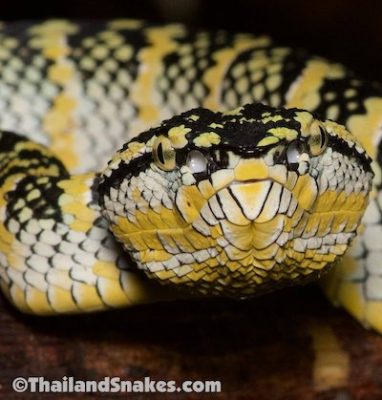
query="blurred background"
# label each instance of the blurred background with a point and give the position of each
(349, 31)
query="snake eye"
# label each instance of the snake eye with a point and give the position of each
(293, 153)
(164, 154)
(196, 162)
(318, 139)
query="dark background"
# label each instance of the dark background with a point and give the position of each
(261, 349)
(349, 31)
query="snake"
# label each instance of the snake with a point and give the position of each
(143, 162)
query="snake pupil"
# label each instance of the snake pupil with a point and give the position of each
(324, 137)
(160, 153)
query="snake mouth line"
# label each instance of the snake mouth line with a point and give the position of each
(254, 180)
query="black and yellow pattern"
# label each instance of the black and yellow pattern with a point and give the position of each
(235, 203)
(56, 252)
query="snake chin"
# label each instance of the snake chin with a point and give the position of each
(247, 238)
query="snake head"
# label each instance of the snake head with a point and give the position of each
(237, 203)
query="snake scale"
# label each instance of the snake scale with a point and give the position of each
(236, 172)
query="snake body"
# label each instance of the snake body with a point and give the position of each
(205, 193)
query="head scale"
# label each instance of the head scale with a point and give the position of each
(240, 202)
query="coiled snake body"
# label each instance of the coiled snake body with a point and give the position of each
(229, 199)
